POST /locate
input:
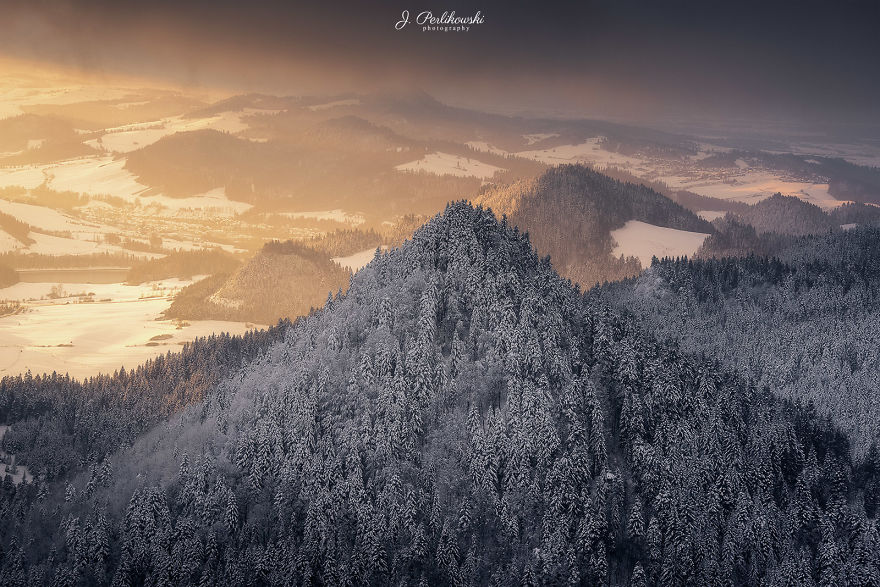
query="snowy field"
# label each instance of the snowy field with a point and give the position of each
(335, 104)
(58, 245)
(754, 186)
(8, 243)
(24, 291)
(44, 218)
(89, 175)
(212, 202)
(105, 175)
(358, 260)
(590, 151)
(643, 240)
(341, 216)
(46, 244)
(538, 137)
(447, 164)
(705, 150)
(124, 139)
(85, 338)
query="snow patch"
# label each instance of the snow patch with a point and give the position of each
(341, 216)
(106, 175)
(127, 138)
(447, 164)
(643, 241)
(358, 260)
(41, 217)
(538, 137)
(213, 201)
(590, 151)
(335, 104)
(99, 337)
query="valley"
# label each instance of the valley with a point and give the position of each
(97, 200)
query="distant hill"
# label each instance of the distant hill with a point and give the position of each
(355, 133)
(283, 280)
(735, 238)
(31, 139)
(769, 227)
(17, 131)
(786, 215)
(140, 106)
(189, 163)
(299, 172)
(855, 213)
(570, 211)
(240, 102)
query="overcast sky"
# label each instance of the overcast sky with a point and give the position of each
(804, 60)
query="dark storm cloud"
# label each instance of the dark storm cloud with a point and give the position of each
(798, 59)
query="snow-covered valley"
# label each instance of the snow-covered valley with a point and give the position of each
(88, 328)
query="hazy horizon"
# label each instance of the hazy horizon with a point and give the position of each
(637, 61)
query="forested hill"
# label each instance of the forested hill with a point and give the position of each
(570, 211)
(787, 215)
(461, 416)
(770, 227)
(284, 280)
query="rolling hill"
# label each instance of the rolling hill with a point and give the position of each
(570, 212)
(283, 280)
(787, 215)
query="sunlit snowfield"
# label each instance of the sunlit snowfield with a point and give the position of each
(643, 241)
(88, 328)
(444, 163)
